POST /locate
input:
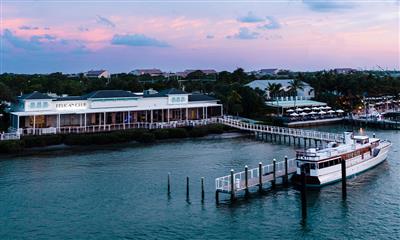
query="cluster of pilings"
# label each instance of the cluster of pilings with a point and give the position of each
(289, 140)
(187, 187)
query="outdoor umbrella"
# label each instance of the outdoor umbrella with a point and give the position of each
(322, 112)
(303, 114)
(294, 114)
(299, 109)
(290, 110)
(331, 111)
(306, 109)
(312, 112)
(327, 107)
(340, 111)
(315, 108)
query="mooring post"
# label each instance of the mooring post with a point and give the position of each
(373, 135)
(274, 173)
(303, 192)
(216, 196)
(187, 187)
(202, 189)
(286, 178)
(289, 140)
(232, 185)
(169, 183)
(246, 177)
(344, 190)
(260, 176)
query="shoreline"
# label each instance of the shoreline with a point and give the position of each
(43, 147)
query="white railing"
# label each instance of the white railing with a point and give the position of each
(325, 136)
(9, 136)
(113, 127)
(239, 178)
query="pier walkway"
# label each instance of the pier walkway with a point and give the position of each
(242, 181)
(282, 131)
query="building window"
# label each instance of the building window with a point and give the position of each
(45, 104)
(39, 104)
(32, 105)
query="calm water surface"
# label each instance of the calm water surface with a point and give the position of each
(120, 193)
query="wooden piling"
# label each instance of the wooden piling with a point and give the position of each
(202, 189)
(303, 192)
(217, 197)
(232, 185)
(187, 187)
(273, 183)
(286, 178)
(260, 176)
(344, 185)
(246, 177)
(169, 184)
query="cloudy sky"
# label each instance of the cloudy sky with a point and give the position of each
(75, 36)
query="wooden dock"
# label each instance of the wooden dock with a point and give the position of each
(294, 133)
(243, 181)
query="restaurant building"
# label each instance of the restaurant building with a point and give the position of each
(38, 113)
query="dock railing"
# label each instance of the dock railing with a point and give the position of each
(223, 184)
(294, 132)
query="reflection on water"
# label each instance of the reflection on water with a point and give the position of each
(121, 192)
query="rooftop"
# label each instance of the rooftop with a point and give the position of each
(34, 95)
(293, 103)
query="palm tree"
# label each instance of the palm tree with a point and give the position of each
(296, 84)
(234, 101)
(274, 89)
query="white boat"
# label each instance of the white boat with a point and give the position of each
(323, 166)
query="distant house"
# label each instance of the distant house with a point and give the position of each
(267, 72)
(344, 70)
(306, 93)
(189, 71)
(154, 72)
(97, 74)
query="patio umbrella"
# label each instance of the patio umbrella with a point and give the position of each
(312, 112)
(315, 108)
(340, 111)
(321, 112)
(327, 107)
(290, 110)
(303, 114)
(299, 109)
(331, 111)
(306, 109)
(294, 114)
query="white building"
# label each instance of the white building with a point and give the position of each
(307, 92)
(39, 113)
(97, 74)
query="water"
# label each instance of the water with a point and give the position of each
(120, 193)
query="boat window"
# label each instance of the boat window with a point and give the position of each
(312, 166)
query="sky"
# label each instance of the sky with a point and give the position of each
(123, 35)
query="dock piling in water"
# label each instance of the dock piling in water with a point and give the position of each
(303, 192)
(286, 177)
(202, 189)
(344, 180)
(232, 185)
(246, 183)
(260, 176)
(187, 187)
(169, 184)
(273, 182)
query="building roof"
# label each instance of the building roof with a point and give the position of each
(263, 84)
(148, 71)
(293, 103)
(95, 73)
(69, 98)
(109, 94)
(200, 97)
(34, 95)
(172, 91)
